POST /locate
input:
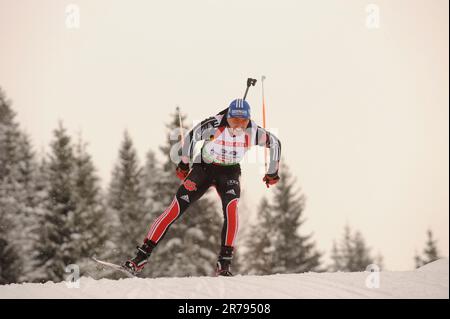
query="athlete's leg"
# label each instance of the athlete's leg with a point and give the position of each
(228, 187)
(193, 187)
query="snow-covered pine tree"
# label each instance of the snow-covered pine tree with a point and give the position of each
(41, 212)
(338, 261)
(126, 202)
(9, 258)
(164, 182)
(259, 256)
(9, 134)
(153, 205)
(363, 256)
(192, 244)
(292, 251)
(430, 252)
(55, 249)
(352, 253)
(150, 175)
(17, 190)
(31, 200)
(91, 227)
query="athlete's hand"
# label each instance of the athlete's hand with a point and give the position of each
(271, 179)
(182, 170)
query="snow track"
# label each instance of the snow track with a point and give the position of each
(430, 281)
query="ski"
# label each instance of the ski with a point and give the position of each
(115, 267)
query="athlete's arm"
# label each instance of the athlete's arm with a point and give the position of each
(199, 132)
(269, 140)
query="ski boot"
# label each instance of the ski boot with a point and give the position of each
(136, 264)
(224, 262)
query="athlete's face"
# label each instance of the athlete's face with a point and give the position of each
(238, 123)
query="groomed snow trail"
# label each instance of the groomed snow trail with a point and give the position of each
(430, 281)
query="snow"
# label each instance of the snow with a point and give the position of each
(430, 281)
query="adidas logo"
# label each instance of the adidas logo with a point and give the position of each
(185, 197)
(231, 191)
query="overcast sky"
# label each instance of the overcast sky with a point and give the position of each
(359, 103)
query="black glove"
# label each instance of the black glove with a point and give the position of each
(271, 179)
(182, 170)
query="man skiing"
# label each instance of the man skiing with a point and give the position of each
(227, 135)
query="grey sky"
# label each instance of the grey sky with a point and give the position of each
(362, 113)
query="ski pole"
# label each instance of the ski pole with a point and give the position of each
(250, 82)
(181, 126)
(264, 123)
(181, 130)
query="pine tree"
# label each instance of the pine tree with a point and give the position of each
(352, 253)
(293, 253)
(338, 261)
(430, 252)
(9, 136)
(362, 253)
(191, 245)
(91, 227)
(126, 200)
(55, 248)
(17, 200)
(260, 254)
(9, 133)
(150, 176)
(9, 258)
(9, 261)
(35, 272)
(285, 250)
(30, 198)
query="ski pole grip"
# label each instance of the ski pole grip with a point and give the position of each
(250, 82)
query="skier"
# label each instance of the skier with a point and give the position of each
(227, 135)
